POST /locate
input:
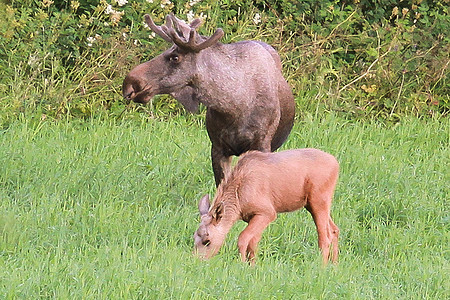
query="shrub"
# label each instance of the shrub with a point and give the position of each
(361, 58)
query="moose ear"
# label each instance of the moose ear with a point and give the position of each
(187, 98)
(203, 205)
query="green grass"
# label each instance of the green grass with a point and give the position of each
(106, 210)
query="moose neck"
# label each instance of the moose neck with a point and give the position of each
(230, 217)
(217, 80)
(227, 197)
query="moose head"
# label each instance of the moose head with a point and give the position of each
(212, 231)
(249, 104)
(173, 71)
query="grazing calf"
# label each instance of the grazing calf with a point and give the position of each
(262, 185)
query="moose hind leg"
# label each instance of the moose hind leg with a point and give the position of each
(334, 231)
(321, 216)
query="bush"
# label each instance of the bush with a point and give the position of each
(361, 58)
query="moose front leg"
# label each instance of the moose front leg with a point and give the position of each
(249, 238)
(221, 164)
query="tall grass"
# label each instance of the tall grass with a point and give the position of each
(106, 210)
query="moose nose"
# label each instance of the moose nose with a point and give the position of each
(127, 89)
(128, 96)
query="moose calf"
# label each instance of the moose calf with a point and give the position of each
(262, 185)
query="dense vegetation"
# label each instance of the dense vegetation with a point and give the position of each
(363, 58)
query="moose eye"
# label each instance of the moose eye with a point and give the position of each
(174, 58)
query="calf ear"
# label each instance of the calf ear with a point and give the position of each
(203, 205)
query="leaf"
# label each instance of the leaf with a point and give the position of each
(372, 52)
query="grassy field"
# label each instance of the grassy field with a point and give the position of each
(106, 210)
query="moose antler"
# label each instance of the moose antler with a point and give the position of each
(157, 29)
(172, 33)
(181, 27)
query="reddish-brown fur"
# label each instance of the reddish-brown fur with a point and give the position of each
(262, 185)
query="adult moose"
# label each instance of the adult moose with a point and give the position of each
(249, 104)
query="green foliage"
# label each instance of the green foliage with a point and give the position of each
(363, 58)
(106, 210)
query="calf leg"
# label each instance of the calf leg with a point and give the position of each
(320, 211)
(249, 238)
(334, 231)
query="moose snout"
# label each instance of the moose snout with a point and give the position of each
(136, 90)
(127, 89)
(128, 96)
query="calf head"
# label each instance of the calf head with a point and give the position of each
(210, 235)
(174, 71)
